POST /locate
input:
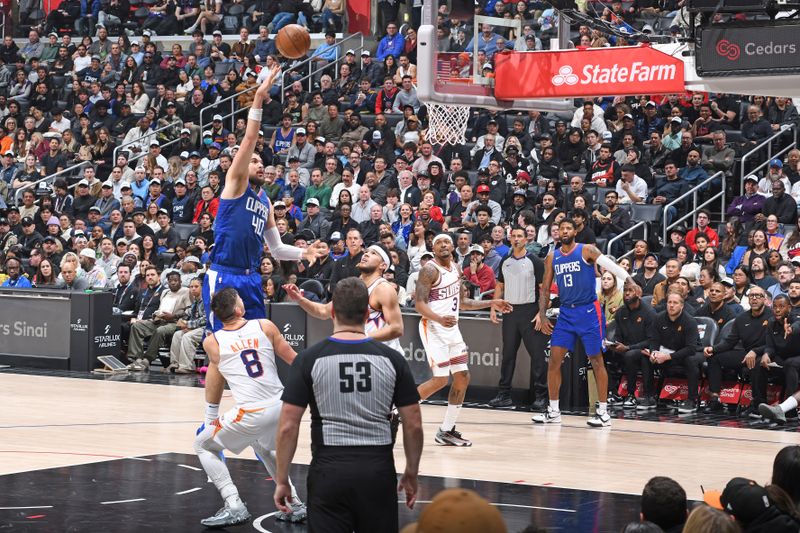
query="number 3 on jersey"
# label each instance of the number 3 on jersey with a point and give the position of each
(251, 363)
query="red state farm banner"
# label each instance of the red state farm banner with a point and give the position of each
(628, 70)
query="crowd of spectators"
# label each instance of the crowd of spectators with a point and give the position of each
(144, 150)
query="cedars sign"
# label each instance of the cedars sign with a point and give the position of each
(629, 70)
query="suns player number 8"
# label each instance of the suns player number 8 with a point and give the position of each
(252, 363)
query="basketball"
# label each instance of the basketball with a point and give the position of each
(293, 41)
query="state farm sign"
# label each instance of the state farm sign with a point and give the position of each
(629, 70)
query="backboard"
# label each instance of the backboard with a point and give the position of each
(457, 78)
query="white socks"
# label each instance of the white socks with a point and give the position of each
(602, 407)
(788, 404)
(554, 406)
(450, 417)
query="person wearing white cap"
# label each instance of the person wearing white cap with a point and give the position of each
(439, 297)
(95, 276)
(385, 322)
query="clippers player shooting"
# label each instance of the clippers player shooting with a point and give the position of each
(580, 317)
(244, 220)
(242, 353)
(439, 296)
(385, 323)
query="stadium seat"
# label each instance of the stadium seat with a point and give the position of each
(184, 230)
(646, 212)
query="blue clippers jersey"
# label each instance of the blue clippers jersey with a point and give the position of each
(239, 231)
(574, 276)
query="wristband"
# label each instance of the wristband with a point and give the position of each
(255, 114)
(212, 412)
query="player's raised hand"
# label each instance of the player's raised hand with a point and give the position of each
(282, 497)
(293, 292)
(408, 484)
(266, 85)
(314, 251)
(502, 305)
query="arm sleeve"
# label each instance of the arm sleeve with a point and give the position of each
(280, 251)
(612, 267)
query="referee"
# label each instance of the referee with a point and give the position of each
(518, 282)
(351, 383)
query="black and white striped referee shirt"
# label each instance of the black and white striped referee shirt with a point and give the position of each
(350, 387)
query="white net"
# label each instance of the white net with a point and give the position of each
(447, 123)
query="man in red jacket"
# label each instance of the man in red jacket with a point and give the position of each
(703, 219)
(477, 272)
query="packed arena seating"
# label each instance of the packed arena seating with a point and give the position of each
(115, 144)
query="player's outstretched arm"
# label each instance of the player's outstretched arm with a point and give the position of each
(315, 309)
(540, 321)
(215, 383)
(285, 252)
(593, 255)
(279, 344)
(237, 178)
(390, 307)
(428, 275)
(288, 430)
(468, 304)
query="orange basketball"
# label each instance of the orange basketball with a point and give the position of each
(293, 41)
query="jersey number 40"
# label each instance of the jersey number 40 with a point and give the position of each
(355, 377)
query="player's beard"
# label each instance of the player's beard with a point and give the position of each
(256, 181)
(366, 270)
(566, 241)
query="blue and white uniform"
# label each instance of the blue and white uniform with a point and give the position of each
(580, 316)
(238, 246)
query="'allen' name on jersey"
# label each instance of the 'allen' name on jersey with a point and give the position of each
(244, 344)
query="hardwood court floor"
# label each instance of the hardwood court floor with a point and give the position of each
(50, 422)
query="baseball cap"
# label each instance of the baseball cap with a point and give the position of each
(651, 254)
(751, 177)
(487, 65)
(279, 203)
(482, 188)
(9, 152)
(171, 103)
(148, 33)
(49, 238)
(293, 159)
(365, 53)
(461, 510)
(210, 146)
(776, 163)
(126, 186)
(216, 32)
(216, 118)
(676, 120)
(53, 221)
(163, 211)
(155, 143)
(312, 201)
(3, 221)
(650, 103)
(607, 135)
(27, 221)
(745, 499)
(646, 28)
(301, 131)
(319, 139)
(95, 208)
(679, 229)
(54, 34)
(728, 282)
(477, 248)
(95, 57)
(252, 73)
(194, 153)
(135, 43)
(185, 130)
(627, 115)
(155, 181)
(88, 252)
(376, 136)
(83, 183)
(520, 192)
(350, 53)
(184, 155)
(108, 184)
(207, 133)
(427, 254)
(335, 237)
(191, 259)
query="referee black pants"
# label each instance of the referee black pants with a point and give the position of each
(517, 328)
(352, 492)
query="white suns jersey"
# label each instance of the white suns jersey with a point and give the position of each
(445, 295)
(247, 362)
(376, 320)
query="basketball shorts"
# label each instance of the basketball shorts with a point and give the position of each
(584, 322)
(447, 353)
(240, 427)
(248, 285)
